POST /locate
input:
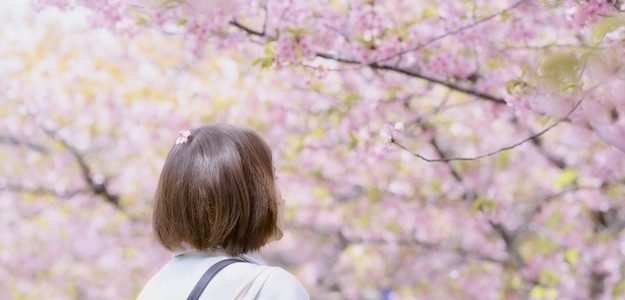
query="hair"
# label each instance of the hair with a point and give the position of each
(217, 192)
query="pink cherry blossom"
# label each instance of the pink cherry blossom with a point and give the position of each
(426, 149)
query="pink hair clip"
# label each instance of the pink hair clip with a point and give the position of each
(183, 136)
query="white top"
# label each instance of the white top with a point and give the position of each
(176, 278)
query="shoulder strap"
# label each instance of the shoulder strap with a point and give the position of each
(208, 276)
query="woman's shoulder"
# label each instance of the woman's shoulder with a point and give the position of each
(281, 284)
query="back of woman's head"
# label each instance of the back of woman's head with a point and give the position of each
(216, 191)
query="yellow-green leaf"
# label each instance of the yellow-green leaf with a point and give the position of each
(429, 12)
(517, 87)
(484, 204)
(548, 277)
(566, 178)
(559, 70)
(605, 26)
(619, 289)
(537, 292)
(571, 256)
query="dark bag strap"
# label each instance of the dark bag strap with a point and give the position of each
(208, 276)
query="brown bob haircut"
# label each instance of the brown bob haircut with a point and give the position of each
(217, 192)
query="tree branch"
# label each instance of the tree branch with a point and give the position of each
(556, 161)
(14, 188)
(416, 74)
(533, 138)
(247, 30)
(99, 188)
(453, 32)
(409, 242)
(440, 153)
(510, 243)
(378, 66)
(10, 140)
(508, 237)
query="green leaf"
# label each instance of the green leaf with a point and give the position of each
(353, 141)
(270, 50)
(605, 26)
(537, 245)
(320, 192)
(298, 51)
(517, 87)
(566, 178)
(614, 191)
(374, 194)
(619, 289)
(503, 159)
(514, 282)
(429, 12)
(571, 256)
(299, 32)
(141, 20)
(540, 292)
(568, 87)
(265, 62)
(494, 63)
(537, 292)
(364, 220)
(549, 278)
(559, 71)
(484, 204)
(351, 97)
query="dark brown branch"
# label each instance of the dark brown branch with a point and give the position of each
(556, 161)
(602, 221)
(536, 141)
(619, 5)
(416, 74)
(509, 242)
(247, 30)
(440, 153)
(597, 284)
(10, 140)
(546, 200)
(96, 187)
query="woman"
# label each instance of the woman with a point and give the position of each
(215, 206)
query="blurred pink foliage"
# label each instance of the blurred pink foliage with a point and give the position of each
(387, 119)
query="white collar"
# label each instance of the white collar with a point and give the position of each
(186, 249)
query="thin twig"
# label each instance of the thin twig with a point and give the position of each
(532, 137)
(453, 32)
(14, 188)
(432, 246)
(10, 140)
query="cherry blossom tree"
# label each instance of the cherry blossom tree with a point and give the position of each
(426, 149)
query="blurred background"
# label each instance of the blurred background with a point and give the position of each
(426, 149)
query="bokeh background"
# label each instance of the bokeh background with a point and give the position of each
(426, 149)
